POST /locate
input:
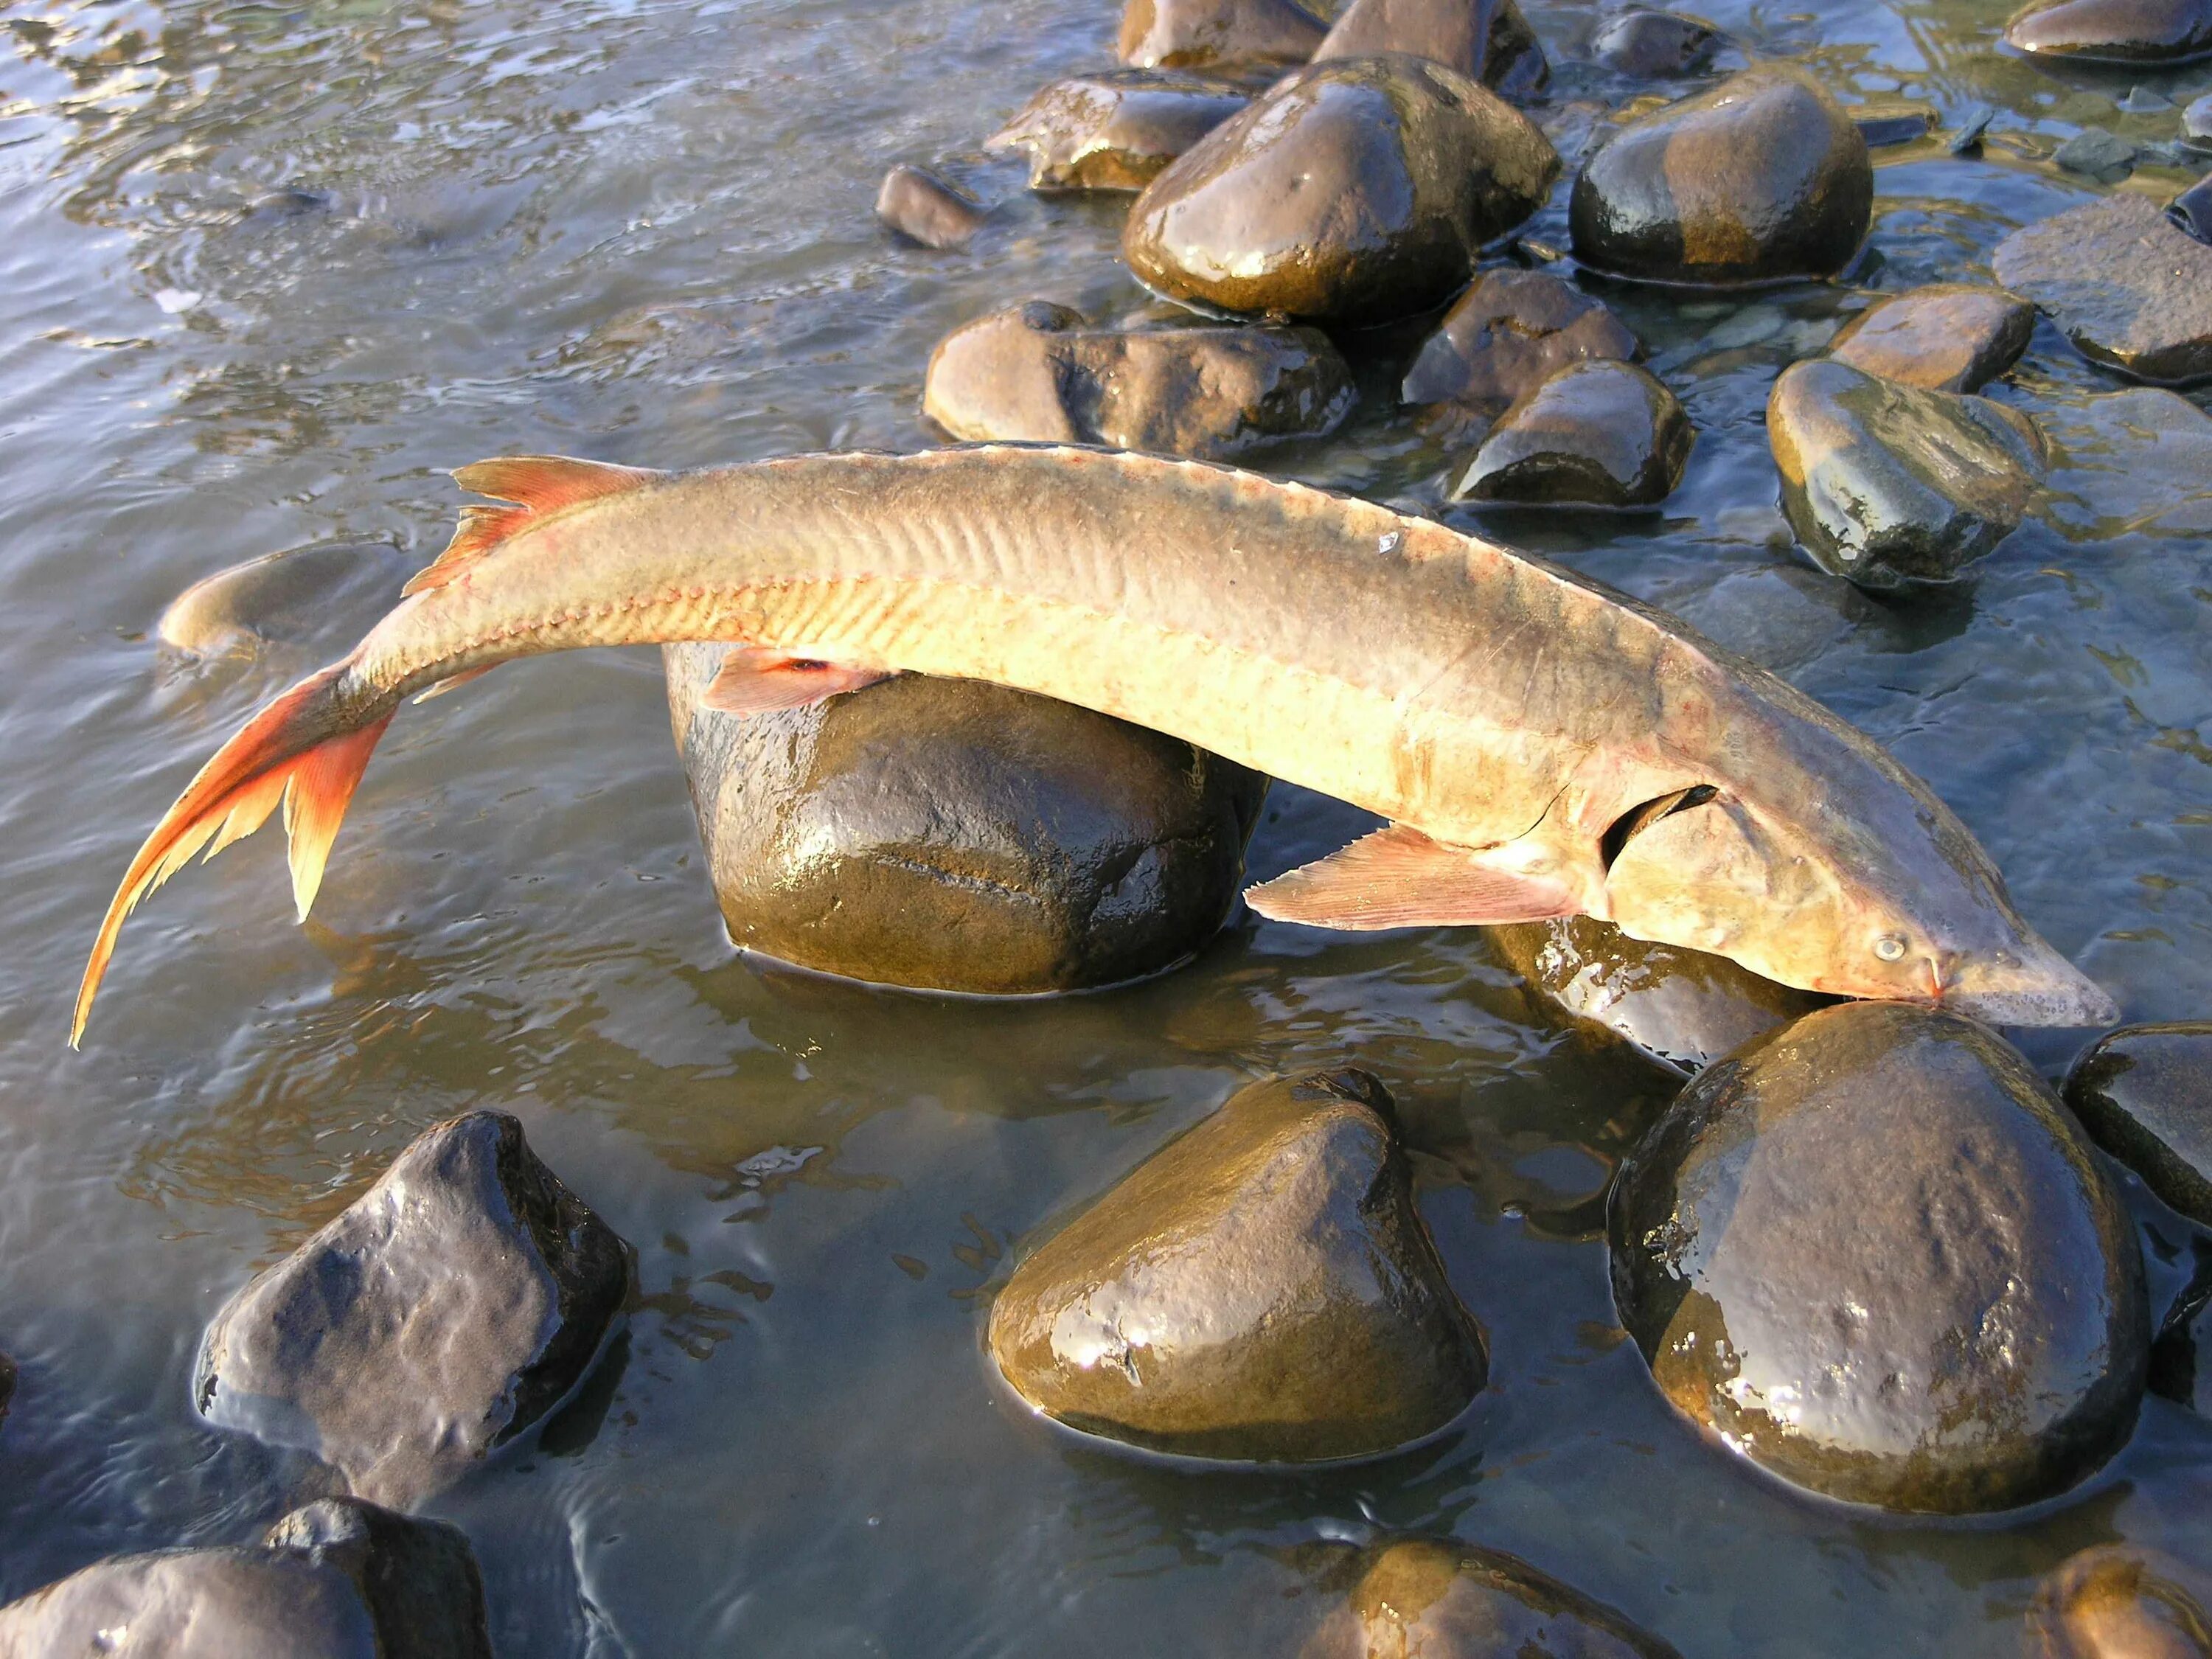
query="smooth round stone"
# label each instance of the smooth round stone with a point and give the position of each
(1601, 434)
(1489, 41)
(2144, 1093)
(1261, 1288)
(297, 597)
(1430, 1599)
(919, 204)
(1872, 1253)
(1887, 485)
(1358, 190)
(1948, 336)
(1654, 44)
(2131, 289)
(1114, 130)
(2116, 30)
(2121, 1602)
(1763, 178)
(949, 834)
(1231, 34)
(1036, 371)
(1508, 334)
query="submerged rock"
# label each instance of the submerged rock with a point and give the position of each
(1260, 1288)
(1507, 335)
(1888, 484)
(1872, 1253)
(1654, 44)
(918, 203)
(446, 1310)
(1036, 372)
(1487, 39)
(1358, 190)
(2131, 289)
(1114, 130)
(955, 836)
(1763, 178)
(1429, 1599)
(1234, 33)
(296, 597)
(2144, 1093)
(2197, 123)
(2121, 1602)
(339, 1579)
(1947, 336)
(1882, 126)
(2101, 155)
(2115, 31)
(1603, 433)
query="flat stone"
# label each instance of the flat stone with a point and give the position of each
(1973, 127)
(1683, 1008)
(2131, 289)
(1601, 434)
(1508, 334)
(1948, 336)
(1359, 189)
(2192, 211)
(295, 598)
(955, 836)
(1489, 41)
(917, 204)
(339, 1579)
(1654, 45)
(2115, 31)
(2142, 100)
(1766, 176)
(1432, 1598)
(442, 1313)
(1230, 34)
(1260, 1288)
(1036, 372)
(2100, 153)
(1114, 130)
(2144, 1093)
(1887, 485)
(1883, 127)
(1872, 1254)
(2121, 1602)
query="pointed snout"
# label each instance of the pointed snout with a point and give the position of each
(2037, 987)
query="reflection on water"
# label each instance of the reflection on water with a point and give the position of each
(272, 270)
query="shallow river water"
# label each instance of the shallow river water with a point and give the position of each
(641, 232)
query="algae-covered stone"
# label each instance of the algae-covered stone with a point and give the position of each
(298, 597)
(955, 836)
(1358, 189)
(2121, 1602)
(1651, 45)
(1260, 1288)
(2131, 289)
(1114, 130)
(1601, 433)
(1872, 1254)
(1508, 334)
(2115, 31)
(1763, 178)
(1228, 33)
(919, 204)
(1947, 336)
(1888, 484)
(2144, 1093)
(1488, 39)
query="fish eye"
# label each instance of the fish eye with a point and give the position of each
(1890, 947)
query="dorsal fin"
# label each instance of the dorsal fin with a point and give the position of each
(538, 486)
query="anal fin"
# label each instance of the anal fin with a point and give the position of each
(1399, 878)
(756, 680)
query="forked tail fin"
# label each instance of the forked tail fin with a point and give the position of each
(296, 752)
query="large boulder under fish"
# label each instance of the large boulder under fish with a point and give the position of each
(1872, 1253)
(1260, 1288)
(323, 592)
(1652, 45)
(951, 834)
(2142, 31)
(1236, 35)
(1489, 41)
(1946, 337)
(1117, 130)
(1602, 433)
(2130, 287)
(1509, 333)
(2121, 1602)
(921, 206)
(2144, 1093)
(441, 1314)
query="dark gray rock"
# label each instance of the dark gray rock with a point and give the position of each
(1260, 1288)
(300, 597)
(1882, 126)
(1036, 371)
(1358, 190)
(1489, 41)
(2131, 289)
(1233, 34)
(2115, 31)
(1114, 130)
(2121, 1602)
(1973, 129)
(2142, 100)
(445, 1310)
(1763, 178)
(1508, 334)
(1654, 45)
(2144, 1093)
(1872, 1253)
(956, 835)
(1887, 485)
(1947, 336)
(1601, 434)
(2101, 155)
(2192, 211)
(918, 203)
(418, 1578)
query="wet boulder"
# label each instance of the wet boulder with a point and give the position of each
(954, 835)
(1653, 46)
(299, 597)
(1887, 485)
(2115, 31)
(445, 1311)
(917, 204)
(1234, 34)
(2192, 211)
(1508, 334)
(1948, 336)
(2131, 289)
(1487, 39)
(1260, 1288)
(1872, 1253)
(2144, 1093)
(1358, 189)
(1601, 434)
(338, 1579)
(1114, 130)
(1036, 372)
(2121, 1602)
(1761, 178)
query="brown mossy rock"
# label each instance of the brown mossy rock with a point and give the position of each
(2144, 1093)
(1038, 372)
(1872, 1254)
(1114, 130)
(1509, 333)
(1600, 434)
(1887, 485)
(1489, 41)
(1762, 179)
(2115, 31)
(1358, 189)
(1261, 1288)
(1683, 1008)
(919, 204)
(2121, 1602)
(953, 835)
(1947, 336)
(2130, 287)
(1654, 44)
(1227, 33)
(445, 1310)
(298, 597)
(1426, 1598)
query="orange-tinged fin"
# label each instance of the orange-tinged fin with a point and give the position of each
(754, 679)
(538, 486)
(1399, 878)
(322, 783)
(455, 682)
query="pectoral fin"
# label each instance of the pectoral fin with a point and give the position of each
(1399, 878)
(755, 679)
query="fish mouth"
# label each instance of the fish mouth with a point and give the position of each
(2045, 989)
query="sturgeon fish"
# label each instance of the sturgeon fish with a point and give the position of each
(1540, 745)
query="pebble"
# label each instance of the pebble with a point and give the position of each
(2121, 1602)
(1114, 130)
(1234, 34)
(2144, 1093)
(2115, 31)
(2101, 155)
(295, 598)
(1948, 336)
(1261, 1288)
(919, 204)
(1654, 45)
(2132, 290)
(1508, 334)
(1601, 434)
(1967, 141)
(1489, 41)
(1872, 1254)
